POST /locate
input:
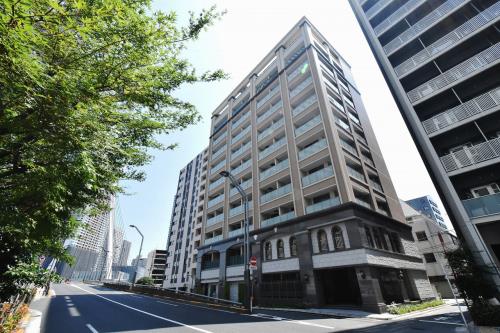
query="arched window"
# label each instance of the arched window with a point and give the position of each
(281, 249)
(268, 251)
(338, 238)
(293, 246)
(322, 241)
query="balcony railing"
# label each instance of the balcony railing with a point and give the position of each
(483, 206)
(337, 104)
(317, 176)
(241, 120)
(397, 16)
(216, 183)
(342, 124)
(213, 240)
(274, 169)
(356, 174)
(446, 42)
(363, 203)
(246, 184)
(368, 160)
(459, 72)
(271, 129)
(278, 219)
(304, 105)
(323, 205)
(308, 125)
(480, 104)
(424, 24)
(215, 200)
(348, 147)
(214, 220)
(238, 232)
(271, 94)
(279, 192)
(220, 138)
(240, 135)
(297, 71)
(298, 89)
(241, 167)
(376, 8)
(272, 148)
(210, 264)
(376, 186)
(216, 168)
(269, 112)
(312, 149)
(241, 150)
(240, 209)
(219, 152)
(471, 155)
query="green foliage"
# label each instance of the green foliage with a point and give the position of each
(405, 308)
(85, 88)
(485, 314)
(145, 280)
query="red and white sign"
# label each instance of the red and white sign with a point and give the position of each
(253, 262)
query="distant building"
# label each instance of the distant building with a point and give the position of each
(432, 241)
(141, 268)
(124, 253)
(156, 266)
(429, 208)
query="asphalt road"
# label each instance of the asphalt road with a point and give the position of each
(80, 308)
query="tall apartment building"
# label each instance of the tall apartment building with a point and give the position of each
(428, 207)
(186, 224)
(433, 241)
(327, 224)
(124, 253)
(441, 60)
(155, 266)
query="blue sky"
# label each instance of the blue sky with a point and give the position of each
(248, 31)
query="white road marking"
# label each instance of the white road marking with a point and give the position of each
(167, 303)
(144, 312)
(300, 322)
(73, 312)
(441, 322)
(92, 329)
(136, 296)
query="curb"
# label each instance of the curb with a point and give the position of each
(35, 322)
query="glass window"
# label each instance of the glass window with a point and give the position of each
(293, 246)
(268, 251)
(322, 241)
(281, 249)
(395, 242)
(369, 238)
(421, 236)
(429, 257)
(338, 238)
(376, 236)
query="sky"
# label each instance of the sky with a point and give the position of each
(245, 34)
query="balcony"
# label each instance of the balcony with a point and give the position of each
(278, 219)
(376, 186)
(274, 169)
(241, 150)
(303, 85)
(238, 232)
(482, 103)
(213, 240)
(397, 16)
(266, 98)
(217, 167)
(376, 8)
(241, 120)
(342, 124)
(271, 129)
(347, 146)
(483, 206)
(279, 192)
(246, 184)
(214, 220)
(220, 138)
(218, 152)
(312, 149)
(308, 125)
(301, 69)
(423, 24)
(323, 205)
(215, 200)
(241, 167)
(471, 155)
(216, 183)
(461, 71)
(317, 176)
(240, 209)
(269, 112)
(272, 148)
(304, 105)
(356, 174)
(449, 40)
(363, 203)
(240, 135)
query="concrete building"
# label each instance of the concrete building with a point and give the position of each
(428, 207)
(124, 253)
(433, 241)
(441, 60)
(186, 224)
(327, 225)
(155, 266)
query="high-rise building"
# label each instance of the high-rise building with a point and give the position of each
(186, 224)
(124, 253)
(327, 225)
(441, 60)
(428, 207)
(433, 241)
(155, 266)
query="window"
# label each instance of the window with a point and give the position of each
(421, 236)
(293, 246)
(281, 249)
(268, 251)
(395, 242)
(338, 238)
(376, 235)
(369, 238)
(322, 241)
(429, 257)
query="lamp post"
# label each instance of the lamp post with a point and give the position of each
(140, 250)
(246, 238)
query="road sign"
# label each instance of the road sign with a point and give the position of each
(253, 263)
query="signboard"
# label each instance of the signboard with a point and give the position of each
(253, 263)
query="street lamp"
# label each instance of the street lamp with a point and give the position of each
(246, 238)
(140, 250)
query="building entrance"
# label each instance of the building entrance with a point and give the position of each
(339, 286)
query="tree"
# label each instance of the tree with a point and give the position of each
(146, 281)
(85, 87)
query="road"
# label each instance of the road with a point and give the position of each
(80, 308)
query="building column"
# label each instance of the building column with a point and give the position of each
(304, 252)
(222, 274)
(369, 288)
